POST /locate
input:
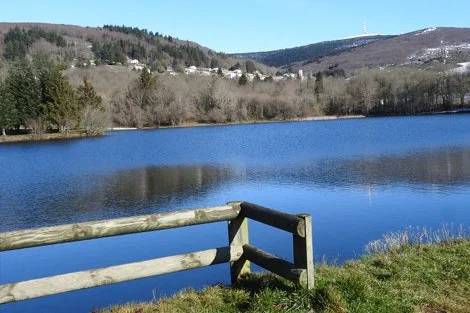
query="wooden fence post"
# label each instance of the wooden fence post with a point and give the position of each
(238, 236)
(303, 251)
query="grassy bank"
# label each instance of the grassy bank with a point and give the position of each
(74, 135)
(41, 137)
(428, 278)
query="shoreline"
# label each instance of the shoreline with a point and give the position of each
(41, 137)
(77, 135)
(248, 122)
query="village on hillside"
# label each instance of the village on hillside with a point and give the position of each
(136, 65)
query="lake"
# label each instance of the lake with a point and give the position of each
(359, 179)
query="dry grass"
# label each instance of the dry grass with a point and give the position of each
(41, 137)
(417, 236)
(430, 276)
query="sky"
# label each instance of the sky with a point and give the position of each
(247, 25)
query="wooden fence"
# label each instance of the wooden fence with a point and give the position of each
(239, 253)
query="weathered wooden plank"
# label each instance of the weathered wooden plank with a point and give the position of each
(114, 274)
(281, 220)
(303, 251)
(275, 265)
(98, 229)
(238, 236)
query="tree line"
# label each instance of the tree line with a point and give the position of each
(36, 97)
(18, 41)
(150, 48)
(112, 51)
(163, 100)
(400, 91)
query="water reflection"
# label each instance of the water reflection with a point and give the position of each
(123, 193)
(150, 189)
(443, 167)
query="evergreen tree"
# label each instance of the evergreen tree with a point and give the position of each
(62, 109)
(214, 63)
(220, 72)
(235, 67)
(7, 110)
(22, 88)
(243, 80)
(146, 89)
(87, 96)
(318, 89)
(269, 79)
(94, 117)
(146, 80)
(42, 65)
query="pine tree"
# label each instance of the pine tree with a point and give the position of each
(146, 81)
(62, 109)
(22, 88)
(8, 117)
(318, 84)
(94, 116)
(147, 86)
(243, 80)
(220, 72)
(87, 96)
(214, 63)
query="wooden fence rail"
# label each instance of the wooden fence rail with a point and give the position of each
(239, 253)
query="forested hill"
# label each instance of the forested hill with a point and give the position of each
(110, 44)
(312, 52)
(436, 47)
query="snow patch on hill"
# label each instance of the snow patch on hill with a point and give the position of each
(426, 31)
(362, 36)
(441, 53)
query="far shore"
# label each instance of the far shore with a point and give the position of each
(196, 124)
(41, 137)
(75, 135)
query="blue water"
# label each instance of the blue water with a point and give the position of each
(358, 178)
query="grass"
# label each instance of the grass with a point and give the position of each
(41, 137)
(424, 276)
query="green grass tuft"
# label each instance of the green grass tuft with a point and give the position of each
(420, 278)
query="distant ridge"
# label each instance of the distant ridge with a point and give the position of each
(433, 47)
(312, 52)
(429, 47)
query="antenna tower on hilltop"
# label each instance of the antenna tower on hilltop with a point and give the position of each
(364, 28)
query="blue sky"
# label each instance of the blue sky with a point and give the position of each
(247, 25)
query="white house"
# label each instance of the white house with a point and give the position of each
(230, 75)
(190, 70)
(138, 67)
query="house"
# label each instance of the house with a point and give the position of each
(190, 70)
(230, 75)
(138, 67)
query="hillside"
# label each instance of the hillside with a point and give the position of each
(311, 52)
(424, 48)
(114, 45)
(113, 49)
(428, 48)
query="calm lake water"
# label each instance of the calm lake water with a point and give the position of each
(358, 178)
